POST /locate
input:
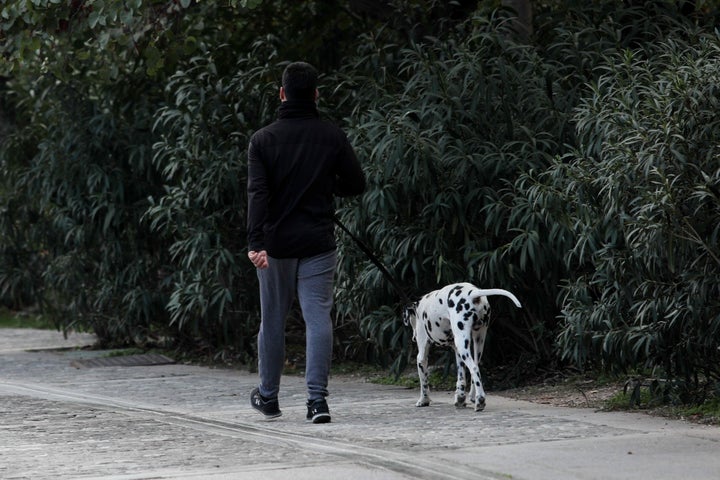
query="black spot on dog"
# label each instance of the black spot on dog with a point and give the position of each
(451, 304)
(460, 304)
(467, 343)
(437, 324)
(429, 326)
(425, 315)
(440, 300)
(460, 325)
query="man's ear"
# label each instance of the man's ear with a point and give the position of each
(283, 97)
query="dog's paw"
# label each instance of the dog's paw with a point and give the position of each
(480, 404)
(460, 401)
(423, 402)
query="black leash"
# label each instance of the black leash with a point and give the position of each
(374, 259)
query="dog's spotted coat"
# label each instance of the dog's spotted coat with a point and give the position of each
(457, 315)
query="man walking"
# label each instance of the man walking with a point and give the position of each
(296, 165)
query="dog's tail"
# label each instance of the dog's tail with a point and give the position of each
(496, 291)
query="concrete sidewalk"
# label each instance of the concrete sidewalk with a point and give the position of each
(189, 422)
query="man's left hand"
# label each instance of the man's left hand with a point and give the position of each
(259, 259)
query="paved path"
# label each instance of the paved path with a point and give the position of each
(189, 422)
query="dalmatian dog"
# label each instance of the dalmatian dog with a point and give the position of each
(457, 315)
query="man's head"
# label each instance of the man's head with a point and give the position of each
(299, 82)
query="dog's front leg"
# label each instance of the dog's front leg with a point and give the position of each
(422, 366)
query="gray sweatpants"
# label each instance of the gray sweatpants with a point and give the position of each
(312, 280)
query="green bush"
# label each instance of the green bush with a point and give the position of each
(445, 131)
(85, 84)
(643, 196)
(577, 171)
(202, 156)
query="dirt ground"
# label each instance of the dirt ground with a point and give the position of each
(596, 395)
(569, 393)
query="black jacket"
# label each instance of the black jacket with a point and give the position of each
(295, 166)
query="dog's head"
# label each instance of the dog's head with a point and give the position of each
(409, 314)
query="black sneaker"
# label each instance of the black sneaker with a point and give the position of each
(267, 406)
(318, 411)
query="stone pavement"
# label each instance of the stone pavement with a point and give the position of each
(189, 422)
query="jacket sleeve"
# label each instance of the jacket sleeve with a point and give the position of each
(350, 179)
(257, 191)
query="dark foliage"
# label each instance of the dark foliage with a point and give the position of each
(575, 168)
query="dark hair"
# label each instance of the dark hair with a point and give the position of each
(300, 81)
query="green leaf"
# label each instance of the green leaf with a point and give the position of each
(251, 4)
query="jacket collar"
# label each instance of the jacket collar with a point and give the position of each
(298, 109)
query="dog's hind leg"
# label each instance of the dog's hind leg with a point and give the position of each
(479, 392)
(460, 386)
(468, 359)
(478, 344)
